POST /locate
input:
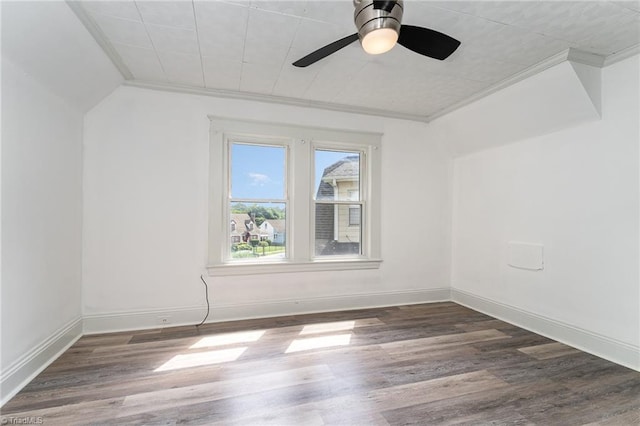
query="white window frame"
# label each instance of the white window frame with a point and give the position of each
(363, 185)
(300, 216)
(265, 141)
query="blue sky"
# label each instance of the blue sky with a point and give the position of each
(258, 171)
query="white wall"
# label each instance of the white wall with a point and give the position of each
(52, 71)
(41, 223)
(576, 191)
(145, 215)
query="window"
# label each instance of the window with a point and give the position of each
(257, 196)
(288, 198)
(338, 179)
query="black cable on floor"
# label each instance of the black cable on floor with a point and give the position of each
(206, 292)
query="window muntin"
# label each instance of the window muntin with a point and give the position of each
(338, 177)
(257, 201)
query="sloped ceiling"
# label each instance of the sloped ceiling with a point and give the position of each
(46, 41)
(551, 100)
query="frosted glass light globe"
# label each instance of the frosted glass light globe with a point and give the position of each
(379, 41)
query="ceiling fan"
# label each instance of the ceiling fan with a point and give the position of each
(379, 29)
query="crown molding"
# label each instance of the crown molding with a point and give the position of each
(570, 54)
(622, 55)
(100, 38)
(585, 58)
(220, 93)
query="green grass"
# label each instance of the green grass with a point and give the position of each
(257, 252)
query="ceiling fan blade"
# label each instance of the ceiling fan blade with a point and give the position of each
(325, 51)
(427, 42)
(384, 5)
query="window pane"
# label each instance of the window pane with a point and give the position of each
(337, 175)
(354, 216)
(258, 230)
(334, 234)
(257, 172)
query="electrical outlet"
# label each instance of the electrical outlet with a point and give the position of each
(164, 320)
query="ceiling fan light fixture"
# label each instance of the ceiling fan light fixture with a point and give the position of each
(379, 41)
(378, 24)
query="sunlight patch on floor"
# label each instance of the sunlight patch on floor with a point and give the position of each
(327, 326)
(228, 339)
(201, 358)
(319, 343)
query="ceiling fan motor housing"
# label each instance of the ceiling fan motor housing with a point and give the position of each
(368, 18)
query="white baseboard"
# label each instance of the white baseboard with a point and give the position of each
(25, 369)
(140, 320)
(605, 347)
(114, 322)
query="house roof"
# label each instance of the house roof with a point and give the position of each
(279, 225)
(348, 167)
(243, 222)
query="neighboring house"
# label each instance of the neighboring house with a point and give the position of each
(338, 226)
(274, 230)
(241, 223)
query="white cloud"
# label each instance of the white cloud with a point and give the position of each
(258, 179)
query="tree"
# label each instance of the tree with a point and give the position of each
(258, 210)
(239, 208)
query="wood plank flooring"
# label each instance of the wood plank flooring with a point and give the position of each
(421, 364)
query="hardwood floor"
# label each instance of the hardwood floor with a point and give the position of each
(421, 364)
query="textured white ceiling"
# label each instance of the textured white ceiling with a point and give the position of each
(247, 47)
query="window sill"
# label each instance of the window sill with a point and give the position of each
(286, 267)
